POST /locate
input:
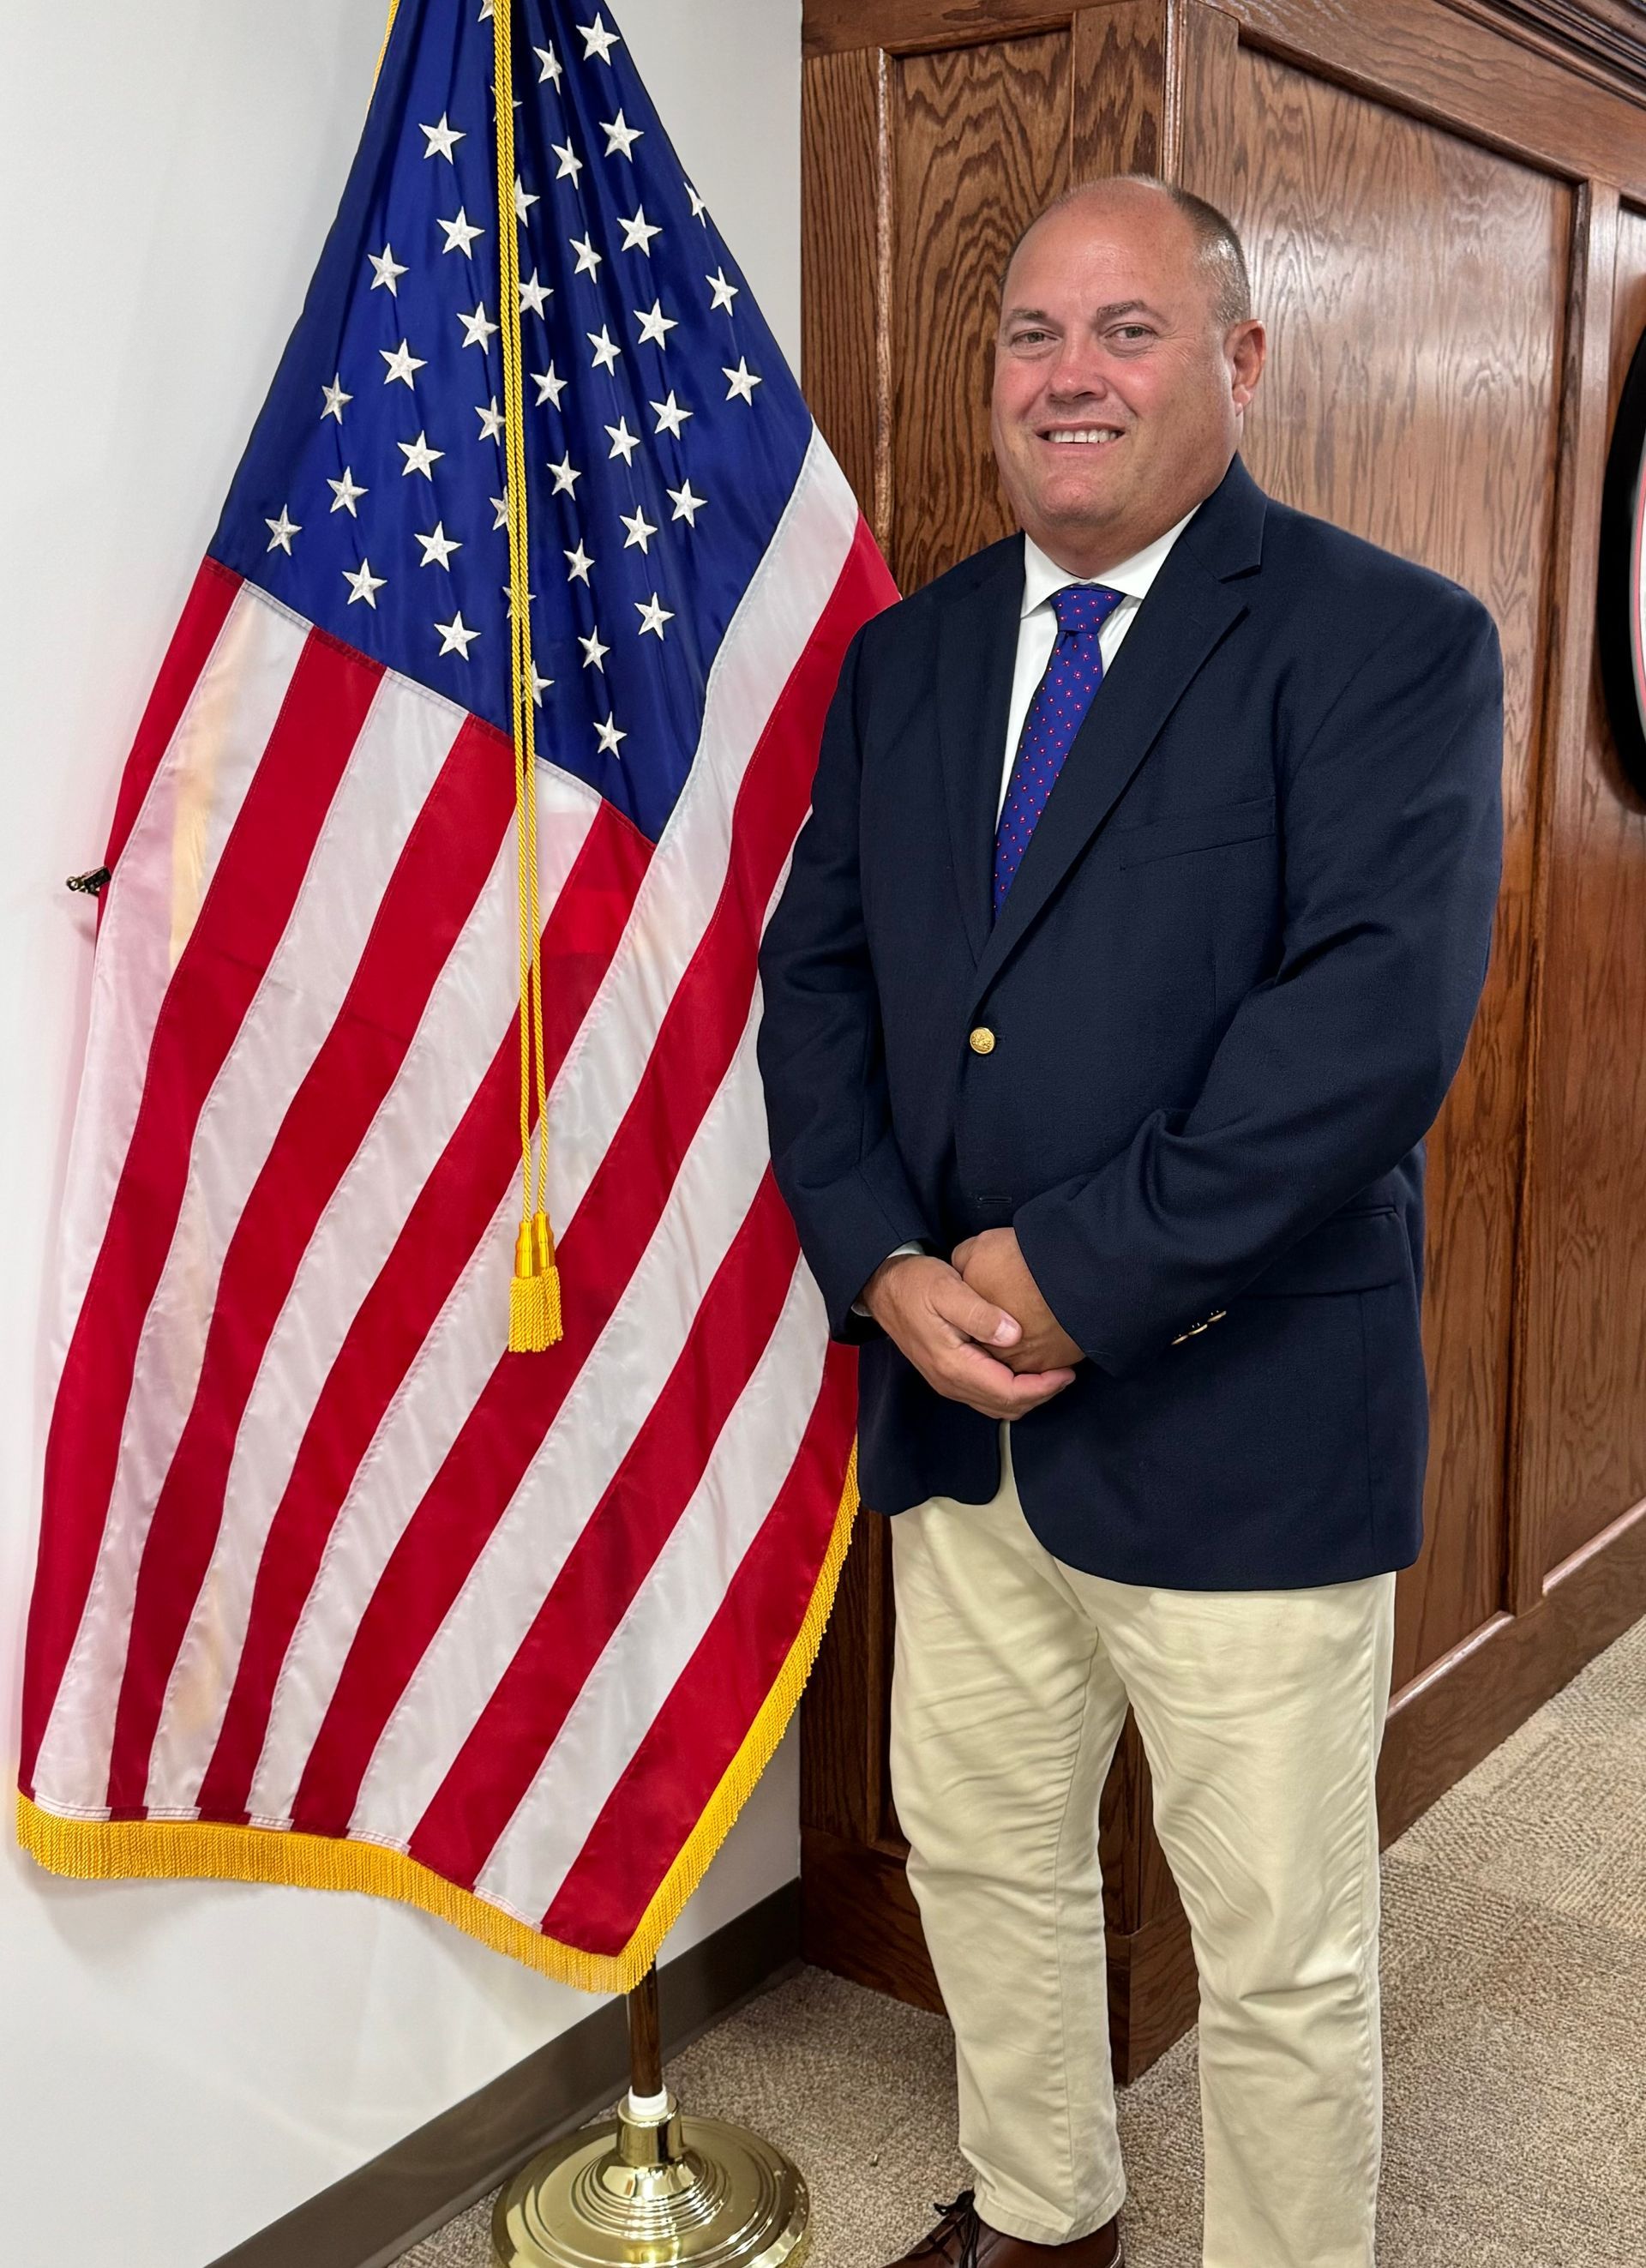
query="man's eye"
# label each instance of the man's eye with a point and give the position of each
(1026, 338)
(1133, 330)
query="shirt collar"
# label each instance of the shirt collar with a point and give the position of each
(1042, 575)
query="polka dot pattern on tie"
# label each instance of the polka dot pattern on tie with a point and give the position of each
(1055, 715)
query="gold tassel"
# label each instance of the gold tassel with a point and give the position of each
(527, 1328)
(548, 1276)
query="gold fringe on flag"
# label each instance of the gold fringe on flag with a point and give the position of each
(112, 1850)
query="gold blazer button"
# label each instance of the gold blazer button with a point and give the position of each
(981, 1042)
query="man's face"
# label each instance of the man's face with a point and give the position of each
(1117, 393)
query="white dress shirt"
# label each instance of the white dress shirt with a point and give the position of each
(1037, 634)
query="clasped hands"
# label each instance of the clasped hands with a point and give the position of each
(975, 1328)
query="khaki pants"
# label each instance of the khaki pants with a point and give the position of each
(1261, 1714)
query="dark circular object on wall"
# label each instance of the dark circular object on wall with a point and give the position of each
(1621, 605)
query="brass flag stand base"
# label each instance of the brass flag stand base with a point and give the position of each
(651, 2187)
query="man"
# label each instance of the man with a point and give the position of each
(1127, 955)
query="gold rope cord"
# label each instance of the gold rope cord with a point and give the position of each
(534, 1312)
(534, 1316)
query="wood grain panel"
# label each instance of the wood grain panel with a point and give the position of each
(1588, 1222)
(1415, 287)
(980, 143)
(844, 269)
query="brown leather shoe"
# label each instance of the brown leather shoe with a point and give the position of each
(962, 2238)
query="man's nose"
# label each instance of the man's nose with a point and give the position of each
(1077, 373)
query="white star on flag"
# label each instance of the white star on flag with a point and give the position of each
(551, 71)
(571, 164)
(744, 381)
(655, 325)
(524, 199)
(401, 363)
(281, 531)
(699, 209)
(620, 137)
(362, 584)
(598, 41)
(490, 421)
(533, 294)
(442, 138)
(455, 637)
(460, 233)
(550, 386)
(438, 546)
(670, 415)
(594, 653)
(624, 443)
(420, 458)
(387, 270)
(724, 293)
(581, 563)
(639, 231)
(588, 258)
(565, 478)
(345, 491)
(609, 736)
(334, 398)
(605, 349)
(686, 506)
(641, 531)
(479, 330)
(653, 615)
(500, 510)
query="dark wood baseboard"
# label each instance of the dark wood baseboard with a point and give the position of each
(373, 2215)
(1440, 1727)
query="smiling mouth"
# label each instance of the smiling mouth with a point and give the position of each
(1083, 437)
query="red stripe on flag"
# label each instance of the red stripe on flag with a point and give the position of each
(454, 1209)
(440, 873)
(617, 1546)
(604, 1243)
(198, 629)
(668, 1783)
(239, 925)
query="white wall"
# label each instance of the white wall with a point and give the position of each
(181, 2063)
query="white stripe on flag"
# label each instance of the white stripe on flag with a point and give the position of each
(404, 740)
(630, 1686)
(193, 801)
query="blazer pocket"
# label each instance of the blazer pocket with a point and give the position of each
(1350, 1252)
(1200, 829)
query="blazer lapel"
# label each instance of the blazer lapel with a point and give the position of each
(1189, 610)
(977, 651)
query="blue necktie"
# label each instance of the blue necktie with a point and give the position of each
(1055, 715)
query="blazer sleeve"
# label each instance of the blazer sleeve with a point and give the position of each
(1333, 1068)
(819, 1047)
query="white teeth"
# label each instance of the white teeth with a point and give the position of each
(1095, 433)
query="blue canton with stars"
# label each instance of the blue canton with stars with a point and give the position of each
(665, 432)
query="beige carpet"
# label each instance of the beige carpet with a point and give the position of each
(1514, 1974)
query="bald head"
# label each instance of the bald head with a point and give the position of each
(1218, 252)
(1124, 361)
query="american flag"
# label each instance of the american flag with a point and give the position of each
(331, 1589)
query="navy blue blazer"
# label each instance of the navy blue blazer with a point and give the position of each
(1229, 988)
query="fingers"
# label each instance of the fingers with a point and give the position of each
(953, 1298)
(968, 1375)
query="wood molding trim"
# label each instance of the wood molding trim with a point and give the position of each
(1471, 68)
(1570, 618)
(373, 2215)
